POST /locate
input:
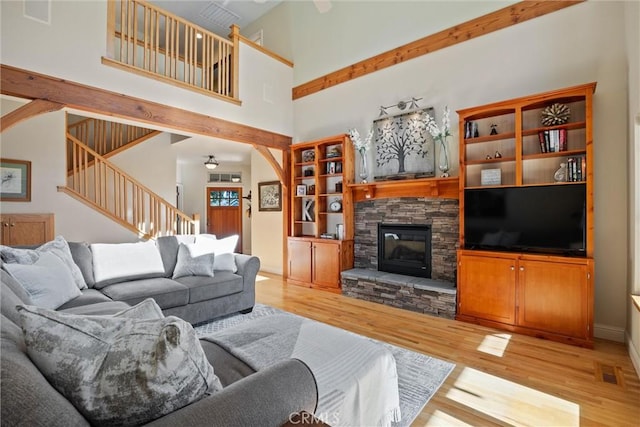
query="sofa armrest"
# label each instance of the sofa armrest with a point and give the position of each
(248, 267)
(266, 398)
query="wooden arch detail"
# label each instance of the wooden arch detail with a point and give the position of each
(27, 111)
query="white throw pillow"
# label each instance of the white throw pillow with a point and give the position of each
(58, 246)
(118, 370)
(222, 248)
(118, 262)
(48, 281)
(192, 261)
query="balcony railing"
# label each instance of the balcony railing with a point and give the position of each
(105, 137)
(144, 38)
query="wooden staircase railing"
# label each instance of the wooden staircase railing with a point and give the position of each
(146, 39)
(98, 183)
(108, 138)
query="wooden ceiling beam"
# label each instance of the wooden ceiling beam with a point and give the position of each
(30, 85)
(25, 112)
(503, 18)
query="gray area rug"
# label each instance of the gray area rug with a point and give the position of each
(419, 375)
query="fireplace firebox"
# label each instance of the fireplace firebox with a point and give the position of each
(405, 249)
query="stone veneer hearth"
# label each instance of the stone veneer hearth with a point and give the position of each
(436, 296)
(440, 214)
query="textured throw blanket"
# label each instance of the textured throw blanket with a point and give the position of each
(356, 377)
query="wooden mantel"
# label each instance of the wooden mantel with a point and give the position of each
(424, 187)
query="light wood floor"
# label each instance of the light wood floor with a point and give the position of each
(499, 378)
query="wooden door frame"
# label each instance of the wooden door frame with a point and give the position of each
(240, 211)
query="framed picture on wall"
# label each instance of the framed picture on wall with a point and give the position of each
(16, 180)
(269, 196)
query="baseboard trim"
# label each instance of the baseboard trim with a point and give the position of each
(634, 355)
(610, 333)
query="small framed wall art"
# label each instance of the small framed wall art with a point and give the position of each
(16, 180)
(269, 196)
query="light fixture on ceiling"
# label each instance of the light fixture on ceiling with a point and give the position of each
(211, 163)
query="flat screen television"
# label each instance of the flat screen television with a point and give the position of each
(542, 219)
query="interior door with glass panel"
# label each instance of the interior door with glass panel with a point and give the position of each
(224, 212)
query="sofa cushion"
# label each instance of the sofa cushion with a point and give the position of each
(192, 262)
(98, 309)
(205, 288)
(166, 292)
(82, 257)
(48, 280)
(27, 398)
(88, 297)
(119, 262)
(58, 247)
(168, 247)
(119, 370)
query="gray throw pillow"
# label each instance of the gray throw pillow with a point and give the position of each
(58, 247)
(193, 262)
(48, 281)
(118, 370)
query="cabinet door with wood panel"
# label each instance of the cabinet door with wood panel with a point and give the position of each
(326, 264)
(554, 297)
(26, 229)
(300, 262)
(487, 287)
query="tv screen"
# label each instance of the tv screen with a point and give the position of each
(547, 219)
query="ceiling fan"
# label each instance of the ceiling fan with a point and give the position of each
(323, 6)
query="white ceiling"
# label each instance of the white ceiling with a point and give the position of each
(196, 149)
(210, 14)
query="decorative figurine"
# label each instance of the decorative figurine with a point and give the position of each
(488, 157)
(497, 155)
(561, 174)
(494, 129)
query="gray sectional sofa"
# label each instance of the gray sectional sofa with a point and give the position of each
(248, 398)
(192, 298)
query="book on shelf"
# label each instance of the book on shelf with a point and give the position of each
(552, 140)
(576, 168)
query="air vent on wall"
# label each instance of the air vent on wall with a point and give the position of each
(218, 15)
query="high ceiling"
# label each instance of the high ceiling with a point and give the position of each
(218, 15)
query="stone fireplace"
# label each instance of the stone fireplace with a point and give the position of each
(411, 291)
(440, 214)
(405, 249)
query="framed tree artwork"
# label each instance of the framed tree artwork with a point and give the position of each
(269, 196)
(403, 146)
(16, 180)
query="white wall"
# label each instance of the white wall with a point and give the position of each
(71, 48)
(267, 229)
(153, 164)
(532, 57)
(41, 140)
(632, 15)
(355, 30)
